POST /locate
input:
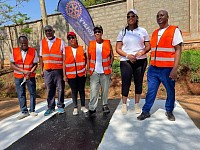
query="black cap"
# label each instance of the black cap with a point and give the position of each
(98, 27)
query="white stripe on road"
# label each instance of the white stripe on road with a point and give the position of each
(125, 132)
(12, 129)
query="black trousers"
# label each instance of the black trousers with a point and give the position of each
(135, 70)
(78, 85)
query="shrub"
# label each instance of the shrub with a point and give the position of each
(191, 59)
(116, 67)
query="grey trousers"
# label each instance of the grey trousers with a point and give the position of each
(54, 79)
(97, 81)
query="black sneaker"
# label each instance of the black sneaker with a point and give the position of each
(143, 116)
(170, 116)
(90, 113)
(106, 109)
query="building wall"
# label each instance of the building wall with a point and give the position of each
(112, 16)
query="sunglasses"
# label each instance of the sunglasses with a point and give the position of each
(48, 30)
(97, 31)
(133, 16)
(71, 37)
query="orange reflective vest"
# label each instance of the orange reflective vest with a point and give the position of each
(106, 62)
(52, 58)
(74, 66)
(27, 64)
(163, 53)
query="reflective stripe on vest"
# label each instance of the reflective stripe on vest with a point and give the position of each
(163, 53)
(26, 65)
(75, 66)
(52, 58)
(105, 56)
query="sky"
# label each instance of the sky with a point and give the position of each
(32, 8)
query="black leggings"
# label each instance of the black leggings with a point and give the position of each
(77, 85)
(135, 70)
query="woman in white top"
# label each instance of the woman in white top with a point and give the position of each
(132, 46)
(74, 70)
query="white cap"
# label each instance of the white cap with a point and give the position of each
(133, 11)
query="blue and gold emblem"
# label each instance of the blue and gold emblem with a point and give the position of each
(74, 9)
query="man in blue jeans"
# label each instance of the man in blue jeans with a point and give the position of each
(166, 45)
(24, 61)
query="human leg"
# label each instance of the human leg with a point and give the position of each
(138, 73)
(21, 94)
(105, 83)
(31, 84)
(126, 75)
(169, 85)
(74, 88)
(81, 89)
(60, 84)
(94, 91)
(51, 89)
(153, 84)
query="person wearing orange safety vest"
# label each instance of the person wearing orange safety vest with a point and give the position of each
(100, 59)
(166, 45)
(74, 70)
(24, 61)
(51, 67)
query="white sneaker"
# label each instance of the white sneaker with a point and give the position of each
(75, 112)
(137, 108)
(33, 114)
(22, 115)
(124, 109)
(83, 109)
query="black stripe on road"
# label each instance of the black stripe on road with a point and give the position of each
(68, 132)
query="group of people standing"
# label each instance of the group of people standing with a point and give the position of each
(60, 64)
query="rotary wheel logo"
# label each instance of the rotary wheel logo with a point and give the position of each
(73, 9)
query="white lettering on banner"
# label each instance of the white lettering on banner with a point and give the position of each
(86, 27)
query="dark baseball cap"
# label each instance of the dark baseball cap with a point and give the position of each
(98, 27)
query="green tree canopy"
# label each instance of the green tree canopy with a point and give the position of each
(94, 2)
(8, 11)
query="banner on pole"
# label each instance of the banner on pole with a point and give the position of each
(78, 17)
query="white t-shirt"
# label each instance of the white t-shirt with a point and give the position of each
(177, 39)
(133, 41)
(50, 43)
(24, 56)
(74, 52)
(98, 65)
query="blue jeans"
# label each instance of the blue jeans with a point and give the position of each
(97, 81)
(21, 93)
(155, 76)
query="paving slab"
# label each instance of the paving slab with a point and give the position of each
(125, 132)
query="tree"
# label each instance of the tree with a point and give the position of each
(9, 14)
(94, 2)
(8, 11)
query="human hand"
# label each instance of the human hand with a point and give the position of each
(139, 53)
(65, 79)
(173, 74)
(131, 57)
(42, 74)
